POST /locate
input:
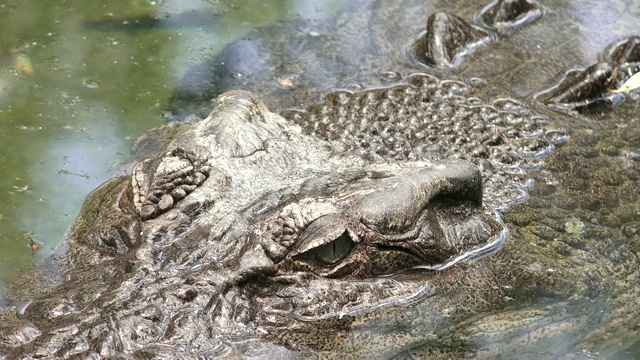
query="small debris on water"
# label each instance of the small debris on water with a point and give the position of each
(22, 64)
(21, 188)
(91, 84)
(34, 246)
(286, 82)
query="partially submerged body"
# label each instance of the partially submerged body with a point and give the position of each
(363, 232)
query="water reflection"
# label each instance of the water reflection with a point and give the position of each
(61, 137)
(81, 159)
(99, 76)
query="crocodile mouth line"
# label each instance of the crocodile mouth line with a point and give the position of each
(353, 309)
(494, 244)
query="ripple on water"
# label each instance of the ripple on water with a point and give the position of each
(390, 76)
(508, 104)
(91, 83)
(557, 136)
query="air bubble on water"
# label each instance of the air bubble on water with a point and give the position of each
(165, 115)
(91, 84)
(389, 76)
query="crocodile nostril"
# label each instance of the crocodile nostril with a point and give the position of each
(395, 206)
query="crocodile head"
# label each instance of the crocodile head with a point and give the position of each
(242, 224)
(289, 194)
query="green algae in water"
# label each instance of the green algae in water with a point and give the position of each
(73, 98)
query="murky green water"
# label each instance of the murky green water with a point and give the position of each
(79, 81)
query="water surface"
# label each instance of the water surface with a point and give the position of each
(79, 81)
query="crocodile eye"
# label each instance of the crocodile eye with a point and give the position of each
(334, 251)
(326, 241)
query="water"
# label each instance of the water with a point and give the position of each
(79, 81)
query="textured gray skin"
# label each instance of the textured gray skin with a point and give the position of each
(566, 281)
(245, 215)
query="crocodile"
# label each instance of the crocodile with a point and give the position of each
(371, 224)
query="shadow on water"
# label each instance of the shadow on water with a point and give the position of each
(193, 19)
